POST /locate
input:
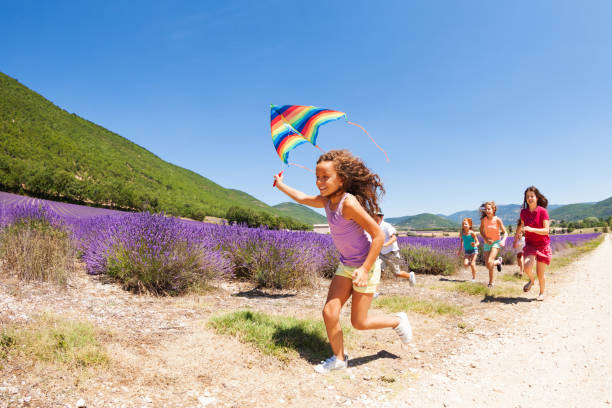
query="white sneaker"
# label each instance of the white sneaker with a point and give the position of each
(331, 364)
(403, 329)
(412, 279)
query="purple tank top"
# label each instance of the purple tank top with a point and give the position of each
(348, 236)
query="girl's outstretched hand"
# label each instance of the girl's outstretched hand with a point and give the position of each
(278, 178)
(360, 277)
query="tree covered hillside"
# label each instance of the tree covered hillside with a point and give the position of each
(301, 213)
(423, 222)
(573, 212)
(50, 153)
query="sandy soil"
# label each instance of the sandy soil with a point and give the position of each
(503, 351)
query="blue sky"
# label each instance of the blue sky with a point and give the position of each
(472, 100)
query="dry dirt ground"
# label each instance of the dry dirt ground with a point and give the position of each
(503, 351)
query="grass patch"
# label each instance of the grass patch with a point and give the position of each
(395, 304)
(54, 339)
(478, 289)
(514, 278)
(559, 262)
(279, 336)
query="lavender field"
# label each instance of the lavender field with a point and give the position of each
(164, 254)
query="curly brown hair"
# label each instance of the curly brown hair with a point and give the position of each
(357, 179)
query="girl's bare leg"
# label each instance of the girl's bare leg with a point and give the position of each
(540, 268)
(339, 291)
(359, 314)
(491, 256)
(473, 265)
(528, 265)
(519, 261)
(466, 262)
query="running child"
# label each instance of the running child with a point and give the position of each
(490, 225)
(535, 223)
(390, 252)
(469, 246)
(519, 249)
(349, 192)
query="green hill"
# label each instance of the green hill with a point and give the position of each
(300, 212)
(423, 222)
(573, 212)
(49, 153)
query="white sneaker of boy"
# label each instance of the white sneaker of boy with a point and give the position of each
(332, 364)
(412, 279)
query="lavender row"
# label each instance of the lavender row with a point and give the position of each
(156, 246)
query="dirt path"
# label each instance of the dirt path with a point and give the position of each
(560, 355)
(163, 354)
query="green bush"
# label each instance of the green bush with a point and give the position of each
(253, 219)
(428, 261)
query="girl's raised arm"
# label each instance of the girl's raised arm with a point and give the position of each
(297, 195)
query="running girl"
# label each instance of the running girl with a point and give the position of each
(469, 245)
(490, 225)
(349, 192)
(535, 223)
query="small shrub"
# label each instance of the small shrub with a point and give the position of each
(275, 265)
(33, 249)
(421, 259)
(153, 253)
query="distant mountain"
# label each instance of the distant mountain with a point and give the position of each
(300, 212)
(573, 212)
(423, 222)
(49, 153)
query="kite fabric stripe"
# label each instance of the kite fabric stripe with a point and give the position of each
(306, 120)
(293, 125)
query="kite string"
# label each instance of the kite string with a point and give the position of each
(371, 138)
(299, 165)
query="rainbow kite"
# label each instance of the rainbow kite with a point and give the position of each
(293, 125)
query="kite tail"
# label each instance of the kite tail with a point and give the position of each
(371, 138)
(317, 146)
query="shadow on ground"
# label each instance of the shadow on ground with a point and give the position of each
(355, 362)
(258, 293)
(309, 344)
(505, 299)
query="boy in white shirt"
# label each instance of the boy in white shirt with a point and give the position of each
(390, 253)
